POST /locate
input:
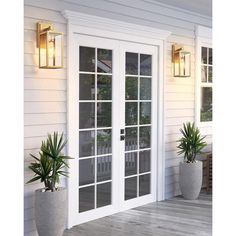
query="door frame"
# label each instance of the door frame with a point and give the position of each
(80, 23)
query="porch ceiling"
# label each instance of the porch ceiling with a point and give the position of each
(203, 7)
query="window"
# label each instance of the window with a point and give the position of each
(204, 79)
(206, 84)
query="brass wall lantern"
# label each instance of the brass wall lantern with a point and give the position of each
(181, 61)
(50, 44)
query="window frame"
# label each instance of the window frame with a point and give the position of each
(203, 39)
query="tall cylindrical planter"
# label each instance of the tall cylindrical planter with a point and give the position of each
(51, 212)
(190, 179)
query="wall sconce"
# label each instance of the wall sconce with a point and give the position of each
(181, 60)
(50, 44)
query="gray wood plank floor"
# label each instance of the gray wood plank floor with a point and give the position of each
(173, 217)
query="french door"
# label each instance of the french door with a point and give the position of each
(114, 140)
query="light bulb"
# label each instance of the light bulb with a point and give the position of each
(51, 49)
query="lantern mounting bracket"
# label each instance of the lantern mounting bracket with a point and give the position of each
(41, 28)
(176, 48)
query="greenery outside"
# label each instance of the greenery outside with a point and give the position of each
(206, 106)
(206, 116)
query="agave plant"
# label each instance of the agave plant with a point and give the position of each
(191, 143)
(51, 163)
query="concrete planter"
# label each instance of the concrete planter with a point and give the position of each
(190, 179)
(51, 212)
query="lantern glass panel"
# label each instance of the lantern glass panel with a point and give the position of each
(182, 64)
(176, 64)
(43, 50)
(185, 64)
(54, 49)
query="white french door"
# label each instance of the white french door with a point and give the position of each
(113, 115)
(138, 81)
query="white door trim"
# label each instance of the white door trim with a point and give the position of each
(80, 23)
(116, 29)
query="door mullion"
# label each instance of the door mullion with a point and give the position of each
(95, 138)
(138, 118)
(121, 163)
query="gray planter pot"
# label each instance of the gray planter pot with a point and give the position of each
(51, 212)
(190, 179)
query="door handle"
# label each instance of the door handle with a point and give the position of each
(122, 137)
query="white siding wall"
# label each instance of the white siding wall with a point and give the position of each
(44, 101)
(45, 90)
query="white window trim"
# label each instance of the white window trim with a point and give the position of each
(203, 39)
(103, 27)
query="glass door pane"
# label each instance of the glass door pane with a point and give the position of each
(95, 128)
(138, 123)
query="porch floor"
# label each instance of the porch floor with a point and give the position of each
(173, 217)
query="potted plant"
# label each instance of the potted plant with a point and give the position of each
(50, 201)
(190, 170)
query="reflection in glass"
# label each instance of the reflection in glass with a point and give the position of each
(104, 168)
(87, 59)
(131, 113)
(206, 104)
(131, 63)
(144, 137)
(86, 171)
(103, 194)
(104, 87)
(144, 184)
(204, 55)
(130, 163)
(86, 199)
(210, 76)
(145, 64)
(131, 88)
(131, 138)
(210, 56)
(144, 161)
(130, 188)
(145, 113)
(145, 89)
(86, 87)
(104, 141)
(86, 115)
(104, 114)
(86, 143)
(104, 63)
(204, 73)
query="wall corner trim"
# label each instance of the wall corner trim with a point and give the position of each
(203, 32)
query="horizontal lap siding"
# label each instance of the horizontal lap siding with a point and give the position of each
(44, 101)
(179, 108)
(46, 90)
